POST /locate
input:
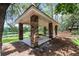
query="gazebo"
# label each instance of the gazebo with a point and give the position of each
(35, 18)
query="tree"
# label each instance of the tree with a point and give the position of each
(3, 8)
(36, 4)
(13, 12)
(47, 8)
(68, 9)
(65, 8)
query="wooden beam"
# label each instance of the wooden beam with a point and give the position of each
(20, 31)
(50, 30)
(34, 30)
(45, 31)
(56, 28)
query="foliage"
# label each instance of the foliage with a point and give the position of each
(13, 12)
(68, 9)
(65, 8)
(75, 32)
(76, 41)
(26, 35)
(47, 8)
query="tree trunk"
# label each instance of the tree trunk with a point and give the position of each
(3, 8)
(72, 27)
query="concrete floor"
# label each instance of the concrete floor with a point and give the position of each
(41, 40)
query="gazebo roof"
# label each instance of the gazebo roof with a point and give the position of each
(32, 10)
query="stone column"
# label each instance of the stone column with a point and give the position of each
(56, 28)
(50, 30)
(20, 31)
(45, 31)
(34, 30)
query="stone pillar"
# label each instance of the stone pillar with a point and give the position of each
(45, 31)
(34, 30)
(20, 31)
(56, 28)
(50, 30)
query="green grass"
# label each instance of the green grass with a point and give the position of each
(14, 38)
(76, 41)
(10, 39)
(26, 35)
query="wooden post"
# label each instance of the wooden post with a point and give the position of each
(56, 28)
(50, 30)
(20, 31)
(45, 31)
(34, 30)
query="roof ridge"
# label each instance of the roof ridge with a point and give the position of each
(37, 9)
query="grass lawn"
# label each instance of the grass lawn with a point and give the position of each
(10, 39)
(76, 41)
(14, 38)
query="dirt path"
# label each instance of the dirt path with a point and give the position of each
(67, 34)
